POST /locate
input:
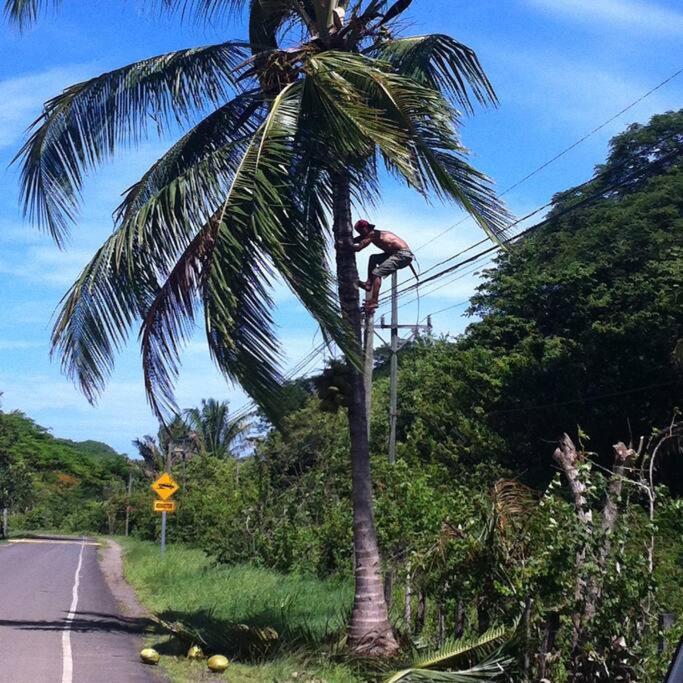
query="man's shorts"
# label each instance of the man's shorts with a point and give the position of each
(392, 262)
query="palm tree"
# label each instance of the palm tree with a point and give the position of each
(174, 444)
(216, 431)
(296, 124)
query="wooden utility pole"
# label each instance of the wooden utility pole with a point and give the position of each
(368, 359)
(393, 367)
(128, 494)
(393, 400)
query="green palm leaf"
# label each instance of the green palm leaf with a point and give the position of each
(451, 652)
(83, 126)
(487, 671)
(221, 131)
(441, 63)
(344, 118)
(95, 318)
(206, 11)
(417, 117)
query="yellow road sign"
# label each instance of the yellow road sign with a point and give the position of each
(164, 506)
(165, 486)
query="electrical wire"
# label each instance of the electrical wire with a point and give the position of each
(556, 216)
(562, 153)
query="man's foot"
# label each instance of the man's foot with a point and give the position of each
(363, 285)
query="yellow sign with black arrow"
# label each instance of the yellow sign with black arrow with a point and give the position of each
(165, 486)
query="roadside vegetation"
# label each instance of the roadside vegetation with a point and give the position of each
(287, 620)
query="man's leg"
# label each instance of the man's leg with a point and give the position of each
(374, 261)
(389, 264)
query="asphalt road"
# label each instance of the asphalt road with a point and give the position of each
(59, 622)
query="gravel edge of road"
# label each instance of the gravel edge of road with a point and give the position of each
(111, 561)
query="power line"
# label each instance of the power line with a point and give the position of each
(559, 155)
(556, 216)
(548, 204)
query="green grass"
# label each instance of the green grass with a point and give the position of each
(188, 589)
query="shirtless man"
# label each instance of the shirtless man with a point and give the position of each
(395, 255)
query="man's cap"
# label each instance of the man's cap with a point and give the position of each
(363, 224)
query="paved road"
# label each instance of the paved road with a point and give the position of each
(59, 622)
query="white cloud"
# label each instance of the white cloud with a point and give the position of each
(47, 265)
(22, 98)
(558, 91)
(643, 16)
(20, 344)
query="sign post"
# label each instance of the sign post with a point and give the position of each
(165, 487)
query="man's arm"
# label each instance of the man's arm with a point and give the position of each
(355, 246)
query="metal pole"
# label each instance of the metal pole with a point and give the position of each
(369, 360)
(163, 514)
(5, 517)
(129, 491)
(163, 532)
(393, 385)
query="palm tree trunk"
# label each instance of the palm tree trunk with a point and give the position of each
(370, 631)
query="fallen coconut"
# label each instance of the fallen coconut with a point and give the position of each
(217, 663)
(149, 656)
(195, 652)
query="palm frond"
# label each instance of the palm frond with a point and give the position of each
(453, 650)
(237, 305)
(203, 11)
(96, 316)
(227, 265)
(423, 122)
(169, 320)
(86, 123)
(24, 13)
(223, 133)
(345, 119)
(395, 11)
(442, 63)
(161, 213)
(215, 428)
(486, 671)
(513, 502)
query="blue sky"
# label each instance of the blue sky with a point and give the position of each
(560, 67)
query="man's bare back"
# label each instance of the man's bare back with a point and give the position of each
(387, 241)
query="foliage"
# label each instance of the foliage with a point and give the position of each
(52, 483)
(245, 192)
(583, 316)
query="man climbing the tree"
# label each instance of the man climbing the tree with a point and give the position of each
(395, 255)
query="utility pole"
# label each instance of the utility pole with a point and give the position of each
(393, 367)
(368, 360)
(5, 516)
(393, 401)
(128, 494)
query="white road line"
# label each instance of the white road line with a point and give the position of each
(51, 540)
(67, 661)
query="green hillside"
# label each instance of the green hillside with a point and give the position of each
(55, 483)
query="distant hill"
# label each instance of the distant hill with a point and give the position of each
(94, 449)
